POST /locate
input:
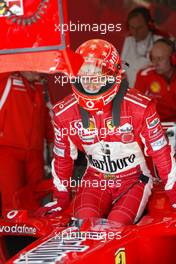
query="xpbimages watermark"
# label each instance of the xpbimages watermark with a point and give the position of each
(110, 181)
(64, 79)
(102, 28)
(103, 236)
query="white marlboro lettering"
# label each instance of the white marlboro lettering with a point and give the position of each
(114, 157)
(111, 165)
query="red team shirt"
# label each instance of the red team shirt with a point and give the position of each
(154, 85)
(24, 124)
(24, 117)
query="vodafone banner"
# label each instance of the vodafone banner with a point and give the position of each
(32, 37)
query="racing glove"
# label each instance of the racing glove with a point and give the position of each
(53, 208)
(60, 202)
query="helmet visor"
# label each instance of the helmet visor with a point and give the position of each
(95, 73)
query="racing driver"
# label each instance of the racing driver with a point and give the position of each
(113, 126)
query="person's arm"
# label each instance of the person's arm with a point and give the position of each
(4, 88)
(64, 153)
(157, 146)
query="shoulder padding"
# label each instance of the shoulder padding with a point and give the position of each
(134, 97)
(64, 104)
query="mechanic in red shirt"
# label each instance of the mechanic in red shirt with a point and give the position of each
(110, 125)
(159, 80)
(24, 124)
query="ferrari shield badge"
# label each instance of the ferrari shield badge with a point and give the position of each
(9, 7)
(120, 256)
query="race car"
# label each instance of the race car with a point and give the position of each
(63, 239)
(41, 236)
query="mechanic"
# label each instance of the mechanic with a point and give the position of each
(137, 45)
(24, 124)
(159, 81)
(110, 125)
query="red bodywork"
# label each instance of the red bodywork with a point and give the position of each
(152, 240)
(32, 38)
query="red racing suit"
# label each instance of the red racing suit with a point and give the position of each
(113, 153)
(24, 124)
(154, 85)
